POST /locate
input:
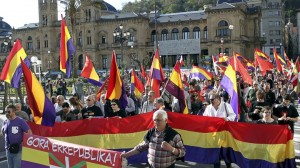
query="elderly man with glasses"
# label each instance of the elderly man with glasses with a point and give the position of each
(91, 110)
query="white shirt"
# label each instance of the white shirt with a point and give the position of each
(130, 105)
(221, 112)
(148, 107)
(57, 109)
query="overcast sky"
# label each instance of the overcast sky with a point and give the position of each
(19, 12)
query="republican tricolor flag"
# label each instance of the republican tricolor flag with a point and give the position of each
(156, 74)
(116, 88)
(12, 70)
(278, 62)
(229, 83)
(174, 87)
(201, 73)
(89, 72)
(42, 108)
(136, 87)
(67, 49)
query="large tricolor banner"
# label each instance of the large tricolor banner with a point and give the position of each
(207, 139)
(42, 152)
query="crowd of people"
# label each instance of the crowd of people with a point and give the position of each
(269, 100)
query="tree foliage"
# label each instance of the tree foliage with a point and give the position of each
(165, 6)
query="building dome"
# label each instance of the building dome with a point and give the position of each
(5, 28)
(230, 1)
(107, 7)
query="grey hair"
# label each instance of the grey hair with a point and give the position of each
(159, 100)
(163, 114)
(93, 97)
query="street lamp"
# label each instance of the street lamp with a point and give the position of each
(6, 86)
(231, 28)
(120, 37)
(222, 45)
(49, 63)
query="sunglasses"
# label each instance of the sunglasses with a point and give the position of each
(88, 99)
(7, 112)
(195, 95)
(113, 104)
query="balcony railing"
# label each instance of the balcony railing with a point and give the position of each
(102, 46)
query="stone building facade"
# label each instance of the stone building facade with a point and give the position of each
(196, 35)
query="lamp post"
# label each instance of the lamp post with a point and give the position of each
(222, 45)
(49, 63)
(6, 86)
(231, 28)
(120, 37)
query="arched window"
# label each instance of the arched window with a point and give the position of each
(132, 34)
(196, 33)
(29, 43)
(175, 34)
(80, 62)
(79, 39)
(205, 32)
(46, 41)
(164, 35)
(153, 36)
(222, 29)
(89, 38)
(185, 33)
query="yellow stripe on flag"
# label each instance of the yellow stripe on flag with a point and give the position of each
(35, 156)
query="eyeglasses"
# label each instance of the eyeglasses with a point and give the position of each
(113, 104)
(157, 120)
(7, 112)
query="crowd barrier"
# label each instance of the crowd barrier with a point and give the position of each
(207, 139)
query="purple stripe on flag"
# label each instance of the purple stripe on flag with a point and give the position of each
(71, 47)
(174, 90)
(48, 113)
(123, 98)
(197, 75)
(26, 164)
(97, 83)
(227, 84)
(251, 68)
(156, 74)
(199, 155)
(71, 51)
(237, 157)
(17, 75)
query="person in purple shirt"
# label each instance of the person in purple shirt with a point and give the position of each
(13, 129)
